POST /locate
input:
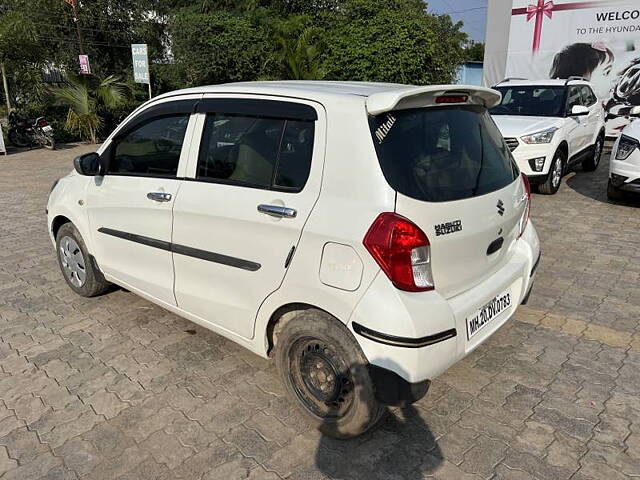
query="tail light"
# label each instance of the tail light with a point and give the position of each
(527, 208)
(42, 123)
(402, 250)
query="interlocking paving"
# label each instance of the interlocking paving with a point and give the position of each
(115, 387)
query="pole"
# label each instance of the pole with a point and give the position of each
(75, 18)
(5, 85)
(149, 84)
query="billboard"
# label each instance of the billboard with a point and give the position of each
(140, 62)
(598, 40)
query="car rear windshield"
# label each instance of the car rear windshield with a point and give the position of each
(440, 154)
(531, 101)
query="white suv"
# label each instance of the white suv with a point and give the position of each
(624, 167)
(550, 126)
(367, 236)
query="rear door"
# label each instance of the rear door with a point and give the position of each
(457, 181)
(254, 179)
(594, 118)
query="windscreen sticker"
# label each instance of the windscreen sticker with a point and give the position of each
(383, 130)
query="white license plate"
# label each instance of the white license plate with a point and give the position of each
(483, 316)
(47, 128)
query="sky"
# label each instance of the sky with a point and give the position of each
(472, 12)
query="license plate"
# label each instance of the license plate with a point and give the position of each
(481, 318)
(47, 128)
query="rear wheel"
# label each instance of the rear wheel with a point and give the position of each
(49, 142)
(78, 268)
(327, 375)
(552, 183)
(592, 162)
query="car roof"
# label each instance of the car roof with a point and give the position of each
(546, 82)
(379, 96)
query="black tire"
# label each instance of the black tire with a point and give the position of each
(552, 182)
(17, 139)
(591, 163)
(613, 193)
(315, 351)
(87, 281)
(49, 142)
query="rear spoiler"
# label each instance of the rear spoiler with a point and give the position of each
(417, 97)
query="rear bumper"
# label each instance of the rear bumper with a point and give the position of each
(420, 335)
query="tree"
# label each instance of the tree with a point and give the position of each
(220, 47)
(393, 41)
(18, 45)
(474, 52)
(300, 48)
(86, 97)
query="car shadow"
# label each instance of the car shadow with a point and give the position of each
(594, 184)
(401, 446)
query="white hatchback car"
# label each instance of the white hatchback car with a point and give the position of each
(367, 236)
(624, 166)
(550, 126)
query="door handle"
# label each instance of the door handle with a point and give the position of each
(159, 196)
(277, 211)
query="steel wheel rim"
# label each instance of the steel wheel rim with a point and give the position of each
(557, 173)
(320, 378)
(72, 261)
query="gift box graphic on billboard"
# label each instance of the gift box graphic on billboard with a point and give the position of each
(598, 40)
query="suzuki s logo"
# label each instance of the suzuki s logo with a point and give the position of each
(500, 206)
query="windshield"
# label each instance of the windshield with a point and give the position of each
(442, 154)
(531, 101)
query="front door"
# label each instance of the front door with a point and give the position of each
(256, 177)
(130, 207)
(578, 125)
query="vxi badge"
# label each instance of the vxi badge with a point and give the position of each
(448, 227)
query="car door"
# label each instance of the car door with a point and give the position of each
(594, 119)
(130, 205)
(255, 178)
(576, 125)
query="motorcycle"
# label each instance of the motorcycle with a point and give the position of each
(27, 132)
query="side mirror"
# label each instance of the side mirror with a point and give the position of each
(579, 111)
(635, 112)
(87, 164)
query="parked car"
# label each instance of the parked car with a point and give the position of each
(550, 126)
(624, 166)
(366, 236)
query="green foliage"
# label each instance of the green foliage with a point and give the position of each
(300, 48)
(393, 41)
(474, 52)
(86, 98)
(220, 47)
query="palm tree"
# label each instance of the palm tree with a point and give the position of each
(300, 48)
(86, 97)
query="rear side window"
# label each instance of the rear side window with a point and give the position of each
(150, 149)
(442, 154)
(270, 153)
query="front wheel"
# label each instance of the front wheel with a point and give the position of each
(590, 164)
(613, 193)
(552, 183)
(78, 268)
(327, 375)
(18, 139)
